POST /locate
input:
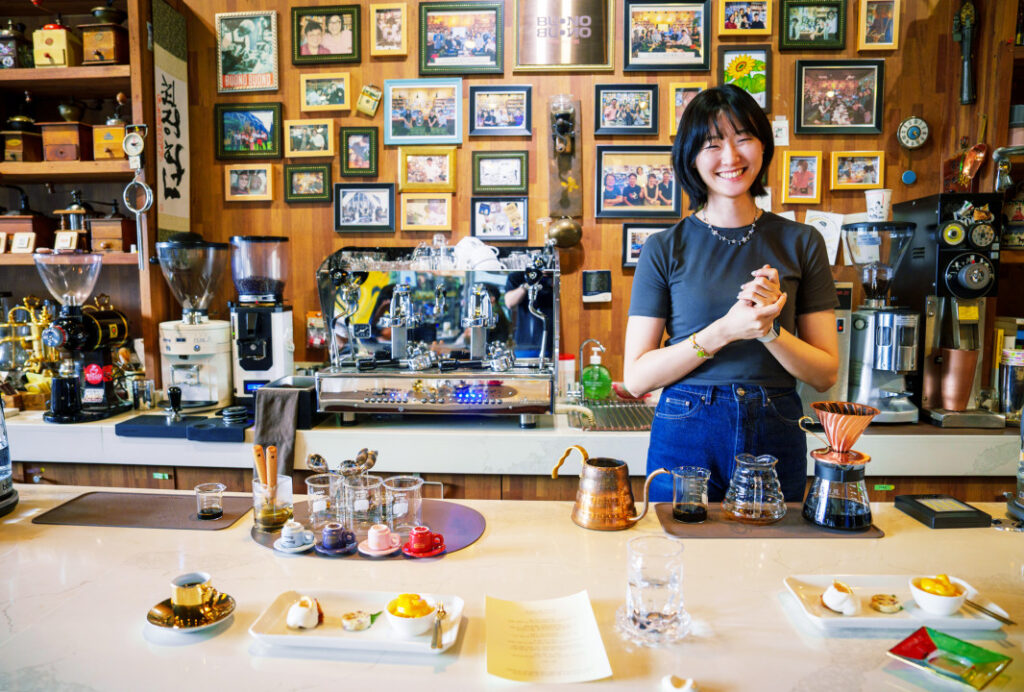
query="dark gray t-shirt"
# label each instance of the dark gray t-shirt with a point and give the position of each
(690, 278)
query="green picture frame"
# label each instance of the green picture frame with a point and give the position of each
(484, 182)
(371, 155)
(812, 25)
(452, 50)
(322, 187)
(340, 38)
(244, 131)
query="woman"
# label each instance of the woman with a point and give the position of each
(652, 195)
(730, 364)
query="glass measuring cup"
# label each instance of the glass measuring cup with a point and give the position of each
(690, 494)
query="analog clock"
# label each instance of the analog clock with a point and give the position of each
(913, 132)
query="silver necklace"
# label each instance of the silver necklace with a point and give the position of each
(733, 241)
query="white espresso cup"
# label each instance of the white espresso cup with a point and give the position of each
(294, 534)
(379, 537)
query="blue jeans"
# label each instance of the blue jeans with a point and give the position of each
(709, 425)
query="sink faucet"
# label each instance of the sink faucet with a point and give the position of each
(481, 318)
(1001, 156)
(400, 319)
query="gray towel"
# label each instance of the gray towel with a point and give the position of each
(276, 415)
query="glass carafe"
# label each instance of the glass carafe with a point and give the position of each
(8, 495)
(838, 498)
(754, 495)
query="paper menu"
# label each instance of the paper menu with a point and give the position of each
(552, 640)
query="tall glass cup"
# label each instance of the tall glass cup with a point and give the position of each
(272, 505)
(321, 507)
(654, 613)
(404, 497)
(363, 503)
(690, 494)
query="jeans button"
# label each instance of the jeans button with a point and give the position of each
(740, 391)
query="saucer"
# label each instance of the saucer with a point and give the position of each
(301, 548)
(365, 549)
(162, 615)
(407, 550)
(347, 550)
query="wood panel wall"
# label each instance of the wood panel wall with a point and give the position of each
(921, 78)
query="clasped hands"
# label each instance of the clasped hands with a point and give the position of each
(758, 303)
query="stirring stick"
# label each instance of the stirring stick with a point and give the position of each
(272, 469)
(261, 463)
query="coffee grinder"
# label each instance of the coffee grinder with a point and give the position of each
(883, 342)
(195, 351)
(838, 498)
(261, 324)
(88, 386)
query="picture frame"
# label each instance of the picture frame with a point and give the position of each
(62, 240)
(878, 24)
(326, 35)
(744, 17)
(408, 104)
(802, 177)
(857, 170)
(501, 172)
(499, 218)
(839, 96)
(634, 235)
(246, 51)
(463, 37)
(748, 66)
(426, 211)
(247, 130)
(663, 35)
(613, 167)
(359, 151)
(23, 242)
(3, 241)
(501, 111)
(812, 25)
(581, 41)
(364, 207)
(426, 169)
(626, 109)
(679, 96)
(307, 182)
(309, 138)
(325, 91)
(248, 182)
(387, 39)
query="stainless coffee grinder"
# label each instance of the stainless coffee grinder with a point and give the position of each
(883, 342)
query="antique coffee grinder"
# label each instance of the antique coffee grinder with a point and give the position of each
(262, 349)
(88, 386)
(883, 343)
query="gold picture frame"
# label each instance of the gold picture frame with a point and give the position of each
(426, 211)
(857, 170)
(756, 13)
(309, 138)
(872, 30)
(249, 182)
(319, 91)
(801, 187)
(420, 170)
(381, 36)
(594, 55)
(674, 110)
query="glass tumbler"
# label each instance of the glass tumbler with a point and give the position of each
(321, 506)
(272, 505)
(404, 502)
(690, 494)
(654, 613)
(363, 502)
(210, 500)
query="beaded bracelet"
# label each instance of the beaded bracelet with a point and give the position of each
(701, 353)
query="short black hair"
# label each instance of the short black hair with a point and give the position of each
(698, 124)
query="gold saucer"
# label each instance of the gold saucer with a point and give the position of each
(162, 615)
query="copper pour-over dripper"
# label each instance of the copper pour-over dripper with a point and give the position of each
(844, 422)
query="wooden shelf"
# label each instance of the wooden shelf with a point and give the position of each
(1009, 256)
(126, 258)
(24, 8)
(113, 170)
(85, 82)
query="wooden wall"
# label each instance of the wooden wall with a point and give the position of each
(921, 78)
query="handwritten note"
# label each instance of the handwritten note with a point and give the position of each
(554, 640)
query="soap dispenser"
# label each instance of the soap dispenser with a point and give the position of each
(597, 381)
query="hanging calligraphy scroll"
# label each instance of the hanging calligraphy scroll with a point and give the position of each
(170, 81)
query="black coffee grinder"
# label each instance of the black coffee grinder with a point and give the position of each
(88, 386)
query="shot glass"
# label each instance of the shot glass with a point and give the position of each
(321, 506)
(404, 504)
(210, 500)
(272, 505)
(653, 614)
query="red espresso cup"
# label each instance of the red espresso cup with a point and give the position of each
(422, 540)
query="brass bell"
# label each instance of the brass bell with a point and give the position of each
(566, 232)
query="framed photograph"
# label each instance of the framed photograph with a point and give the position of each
(839, 96)
(62, 240)
(423, 111)
(247, 130)
(625, 109)
(803, 177)
(634, 235)
(23, 242)
(359, 151)
(499, 218)
(812, 25)
(389, 28)
(744, 17)
(500, 172)
(325, 91)
(878, 24)
(750, 68)
(462, 37)
(426, 211)
(858, 170)
(679, 96)
(636, 181)
(552, 35)
(307, 182)
(501, 111)
(309, 138)
(364, 207)
(666, 35)
(248, 182)
(246, 51)
(426, 169)
(323, 35)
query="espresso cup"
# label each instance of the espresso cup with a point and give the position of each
(334, 536)
(190, 593)
(422, 540)
(379, 537)
(294, 534)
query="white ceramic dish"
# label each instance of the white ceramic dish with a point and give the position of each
(271, 628)
(808, 588)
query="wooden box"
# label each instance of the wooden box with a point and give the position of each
(106, 142)
(65, 141)
(22, 146)
(27, 223)
(56, 48)
(104, 44)
(111, 235)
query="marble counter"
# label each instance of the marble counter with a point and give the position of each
(74, 602)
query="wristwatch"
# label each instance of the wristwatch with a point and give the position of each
(773, 333)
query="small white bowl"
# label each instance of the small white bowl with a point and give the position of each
(936, 604)
(410, 627)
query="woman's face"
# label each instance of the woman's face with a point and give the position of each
(730, 163)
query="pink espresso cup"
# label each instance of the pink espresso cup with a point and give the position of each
(421, 540)
(379, 537)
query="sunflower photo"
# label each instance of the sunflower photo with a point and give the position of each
(749, 68)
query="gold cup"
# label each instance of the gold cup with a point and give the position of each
(191, 597)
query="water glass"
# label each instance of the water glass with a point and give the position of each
(363, 503)
(654, 613)
(404, 502)
(210, 500)
(321, 507)
(272, 505)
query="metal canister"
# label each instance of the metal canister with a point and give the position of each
(1011, 384)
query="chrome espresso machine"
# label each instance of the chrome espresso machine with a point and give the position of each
(411, 334)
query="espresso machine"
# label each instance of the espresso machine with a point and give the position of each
(88, 386)
(262, 346)
(195, 351)
(952, 268)
(883, 341)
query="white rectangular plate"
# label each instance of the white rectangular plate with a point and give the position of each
(271, 628)
(808, 589)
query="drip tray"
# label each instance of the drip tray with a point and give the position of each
(614, 415)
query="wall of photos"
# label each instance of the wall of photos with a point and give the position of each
(920, 76)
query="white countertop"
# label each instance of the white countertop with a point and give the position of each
(75, 601)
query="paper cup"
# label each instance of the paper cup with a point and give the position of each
(879, 204)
